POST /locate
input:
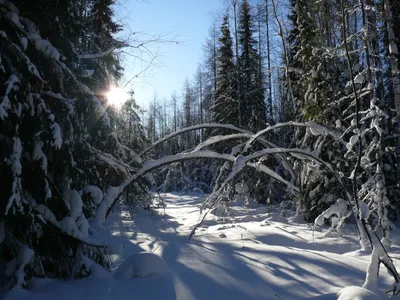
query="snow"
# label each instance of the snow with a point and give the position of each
(24, 42)
(25, 256)
(353, 140)
(74, 203)
(2, 232)
(357, 293)
(95, 193)
(10, 6)
(57, 139)
(317, 129)
(5, 103)
(87, 73)
(393, 48)
(38, 154)
(47, 190)
(144, 265)
(371, 280)
(220, 138)
(250, 253)
(359, 79)
(338, 212)
(13, 16)
(111, 194)
(16, 169)
(44, 46)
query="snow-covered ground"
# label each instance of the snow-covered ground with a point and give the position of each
(252, 254)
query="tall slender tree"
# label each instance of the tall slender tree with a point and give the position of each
(251, 89)
(226, 107)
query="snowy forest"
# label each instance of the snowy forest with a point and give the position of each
(292, 120)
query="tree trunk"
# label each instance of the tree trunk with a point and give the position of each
(393, 55)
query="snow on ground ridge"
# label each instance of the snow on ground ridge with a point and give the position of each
(251, 254)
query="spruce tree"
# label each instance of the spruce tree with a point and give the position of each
(226, 109)
(251, 91)
(60, 155)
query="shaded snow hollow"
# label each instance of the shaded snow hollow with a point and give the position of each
(250, 254)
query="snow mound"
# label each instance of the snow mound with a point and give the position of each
(143, 265)
(276, 218)
(356, 293)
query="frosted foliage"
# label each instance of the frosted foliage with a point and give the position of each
(359, 79)
(317, 129)
(25, 256)
(145, 264)
(5, 103)
(15, 19)
(74, 203)
(47, 189)
(339, 212)
(364, 210)
(239, 164)
(57, 139)
(44, 46)
(111, 195)
(242, 194)
(70, 227)
(39, 155)
(352, 142)
(2, 232)
(393, 48)
(83, 225)
(87, 73)
(241, 188)
(95, 193)
(16, 169)
(24, 42)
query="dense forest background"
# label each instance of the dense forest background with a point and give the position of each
(269, 62)
(319, 81)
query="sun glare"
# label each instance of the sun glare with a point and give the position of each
(116, 96)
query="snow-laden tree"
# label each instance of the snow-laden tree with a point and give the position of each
(59, 155)
(251, 90)
(226, 107)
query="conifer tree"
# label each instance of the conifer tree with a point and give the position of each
(60, 154)
(252, 105)
(226, 106)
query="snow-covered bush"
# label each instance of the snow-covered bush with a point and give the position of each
(337, 213)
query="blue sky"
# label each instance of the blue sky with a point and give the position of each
(187, 20)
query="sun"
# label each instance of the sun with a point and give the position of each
(116, 96)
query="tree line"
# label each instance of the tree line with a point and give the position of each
(300, 60)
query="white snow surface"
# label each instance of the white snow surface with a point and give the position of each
(144, 265)
(357, 293)
(248, 253)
